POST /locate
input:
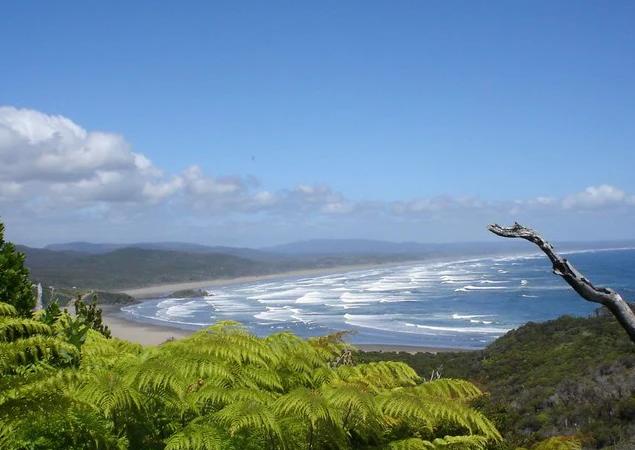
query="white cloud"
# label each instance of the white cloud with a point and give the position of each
(51, 156)
(596, 197)
(48, 163)
(439, 203)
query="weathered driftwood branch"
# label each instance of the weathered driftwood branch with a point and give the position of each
(604, 296)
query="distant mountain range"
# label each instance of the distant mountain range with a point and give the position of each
(186, 247)
(321, 247)
(119, 266)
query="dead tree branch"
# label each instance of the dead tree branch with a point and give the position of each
(604, 296)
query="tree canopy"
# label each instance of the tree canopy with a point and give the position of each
(16, 288)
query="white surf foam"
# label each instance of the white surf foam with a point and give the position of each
(479, 288)
(469, 316)
(281, 314)
(350, 297)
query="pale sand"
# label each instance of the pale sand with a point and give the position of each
(152, 334)
(166, 289)
(141, 333)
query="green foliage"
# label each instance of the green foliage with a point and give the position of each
(570, 376)
(136, 267)
(51, 313)
(15, 286)
(559, 443)
(223, 388)
(90, 315)
(25, 343)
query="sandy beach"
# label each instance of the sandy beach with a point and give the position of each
(166, 289)
(141, 333)
(154, 334)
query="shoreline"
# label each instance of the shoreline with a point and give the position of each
(146, 333)
(138, 332)
(160, 290)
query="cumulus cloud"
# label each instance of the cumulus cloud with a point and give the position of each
(50, 162)
(595, 197)
(48, 155)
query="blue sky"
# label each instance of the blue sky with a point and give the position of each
(409, 120)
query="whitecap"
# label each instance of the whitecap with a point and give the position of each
(350, 297)
(311, 298)
(469, 316)
(479, 288)
(483, 330)
(281, 314)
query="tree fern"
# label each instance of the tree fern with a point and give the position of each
(253, 416)
(225, 388)
(12, 328)
(199, 434)
(33, 349)
(559, 443)
(7, 310)
(449, 388)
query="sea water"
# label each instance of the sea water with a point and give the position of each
(463, 304)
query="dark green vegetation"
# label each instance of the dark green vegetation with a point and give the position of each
(566, 376)
(118, 266)
(136, 267)
(65, 384)
(65, 296)
(15, 286)
(221, 388)
(133, 267)
(188, 293)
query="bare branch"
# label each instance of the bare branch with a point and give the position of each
(605, 296)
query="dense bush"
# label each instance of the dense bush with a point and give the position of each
(15, 286)
(566, 376)
(220, 388)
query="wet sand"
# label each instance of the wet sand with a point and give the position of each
(166, 289)
(154, 334)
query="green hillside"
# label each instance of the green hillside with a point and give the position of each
(566, 376)
(133, 267)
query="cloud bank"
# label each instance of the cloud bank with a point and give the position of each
(52, 167)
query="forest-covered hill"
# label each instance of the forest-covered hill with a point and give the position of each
(132, 267)
(565, 376)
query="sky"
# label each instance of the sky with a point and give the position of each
(256, 123)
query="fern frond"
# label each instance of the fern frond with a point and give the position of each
(12, 328)
(249, 415)
(559, 443)
(450, 388)
(157, 374)
(7, 310)
(199, 434)
(380, 375)
(472, 442)
(409, 405)
(411, 444)
(33, 349)
(110, 392)
(354, 400)
(260, 377)
(308, 404)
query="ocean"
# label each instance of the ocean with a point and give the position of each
(460, 304)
